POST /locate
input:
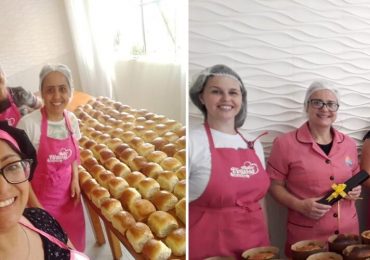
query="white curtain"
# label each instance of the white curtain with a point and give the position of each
(92, 33)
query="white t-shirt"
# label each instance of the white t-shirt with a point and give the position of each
(31, 124)
(200, 155)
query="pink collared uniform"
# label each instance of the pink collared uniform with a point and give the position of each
(309, 173)
(227, 218)
(52, 181)
(11, 114)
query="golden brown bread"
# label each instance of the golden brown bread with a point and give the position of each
(145, 149)
(127, 127)
(170, 136)
(156, 250)
(181, 143)
(169, 149)
(170, 164)
(176, 240)
(90, 144)
(151, 169)
(98, 195)
(162, 223)
(105, 155)
(97, 148)
(88, 186)
(159, 119)
(120, 148)
(160, 129)
(180, 189)
(164, 200)
(89, 163)
(128, 155)
(116, 186)
(137, 163)
(156, 156)
(116, 133)
(122, 221)
(181, 132)
(135, 142)
(96, 170)
(181, 210)
(121, 170)
(139, 130)
(134, 178)
(113, 143)
(104, 178)
(137, 235)
(85, 154)
(111, 162)
(167, 180)
(159, 142)
(128, 196)
(181, 156)
(127, 136)
(149, 135)
(141, 209)
(173, 125)
(83, 140)
(181, 173)
(150, 124)
(83, 176)
(109, 207)
(147, 187)
(140, 120)
(103, 138)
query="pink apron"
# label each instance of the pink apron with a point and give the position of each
(52, 182)
(11, 114)
(227, 218)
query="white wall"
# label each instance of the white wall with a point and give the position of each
(32, 34)
(279, 47)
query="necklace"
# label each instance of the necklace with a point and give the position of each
(28, 243)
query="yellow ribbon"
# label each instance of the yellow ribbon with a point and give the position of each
(338, 191)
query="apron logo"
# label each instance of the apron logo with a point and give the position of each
(348, 161)
(63, 155)
(11, 121)
(245, 171)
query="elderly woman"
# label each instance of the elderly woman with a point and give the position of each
(15, 101)
(21, 227)
(306, 162)
(227, 178)
(54, 132)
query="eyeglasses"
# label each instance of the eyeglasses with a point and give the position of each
(319, 104)
(17, 172)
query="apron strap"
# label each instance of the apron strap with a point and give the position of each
(209, 135)
(250, 144)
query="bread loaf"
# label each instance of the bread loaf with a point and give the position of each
(122, 221)
(96, 170)
(151, 169)
(109, 207)
(121, 170)
(162, 223)
(134, 178)
(120, 148)
(181, 210)
(89, 163)
(104, 178)
(156, 156)
(137, 235)
(85, 154)
(83, 176)
(116, 186)
(180, 189)
(176, 240)
(137, 163)
(147, 187)
(141, 209)
(128, 155)
(128, 196)
(113, 143)
(170, 164)
(164, 200)
(88, 186)
(167, 180)
(156, 250)
(111, 162)
(169, 149)
(145, 149)
(105, 155)
(98, 195)
(159, 142)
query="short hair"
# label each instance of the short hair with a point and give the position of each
(316, 86)
(201, 81)
(61, 68)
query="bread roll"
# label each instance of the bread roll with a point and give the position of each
(151, 169)
(137, 235)
(145, 149)
(159, 119)
(111, 162)
(126, 126)
(113, 143)
(103, 138)
(116, 186)
(159, 142)
(89, 163)
(164, 200)
(88, 186)
(96, 170)
(137, 163)
(169, 149)
(109, 207)
(156, 250)
(134, 178)
(136, 142)
(181, 143)
(149, 115)
(167, 180)
(181, 173)
(128, 196)
(141, 112)
(97, 148)
(121, 107)
(150, 124)
(156, 156)
(147, 187)
(122, 221)
(170, 164)
(116, 132)
(139, 130)
(181, 132)
(121, 170)
(176, 240)
(141, 209)
(180, 189)
(85, 154)
(180, 155)
(173, 125)
(90, 144)
(181, 210)
(128, 118)
(98, 195)
(149, 135)
(162, 223)
(160, 129)
(170, 136)
(83, 140)
(83, 176)
(140, 120)
(120, 148)
(128, 155)
(105, 155)
(127, 136)
(104, 178)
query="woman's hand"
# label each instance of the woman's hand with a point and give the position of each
(355, 193)
(75, 190)
(312, 209)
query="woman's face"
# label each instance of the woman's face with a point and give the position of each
(56, 94)
(222, 98)
(13, 197)
(321, 117)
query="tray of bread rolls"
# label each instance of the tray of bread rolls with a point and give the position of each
(133, 175)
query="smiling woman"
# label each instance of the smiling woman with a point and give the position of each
(54, 132)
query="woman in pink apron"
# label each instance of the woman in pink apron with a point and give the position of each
(55, 183)
(9, 110)
(305, 163)
(227, 179)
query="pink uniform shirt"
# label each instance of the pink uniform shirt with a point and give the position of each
(308, 173)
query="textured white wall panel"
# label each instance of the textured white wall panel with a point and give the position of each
(279, 47)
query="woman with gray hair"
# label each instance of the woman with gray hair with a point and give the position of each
(227, 179)
(305, 163)
(54, 132)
